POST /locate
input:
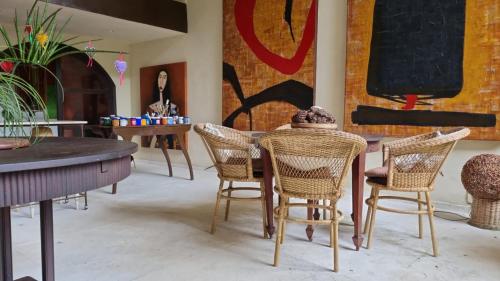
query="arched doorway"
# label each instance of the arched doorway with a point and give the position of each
(89, 93)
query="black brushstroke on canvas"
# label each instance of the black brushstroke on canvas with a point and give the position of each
(229, 74)
(416, 48)
(288, 16)
(371, 115)
(291, 91)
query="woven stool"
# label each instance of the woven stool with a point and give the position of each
(481, 178)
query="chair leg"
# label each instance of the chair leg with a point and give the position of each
(133, 160)
(86, 206)
(368, 214)
(372, 217)
(283, 224)
(280, 233)
(287, 213)
(324, 210)
(420, 221)
(228, 201)
(283, 229)
(264, 212)
(335, 235)
(217, 203)
(288, 209)
(332, 229)
(430, 213)
(32, 210)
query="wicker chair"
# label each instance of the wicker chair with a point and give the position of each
(234, 155)
(411, 165)
(310, 164)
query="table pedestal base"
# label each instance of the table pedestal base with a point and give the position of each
(47, 239)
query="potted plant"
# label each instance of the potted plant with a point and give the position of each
(36, 43)
(15, 109)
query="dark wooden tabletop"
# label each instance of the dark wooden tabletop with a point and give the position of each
(53, 152)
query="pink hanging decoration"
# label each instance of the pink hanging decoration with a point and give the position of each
(121, 66)
(90, 51)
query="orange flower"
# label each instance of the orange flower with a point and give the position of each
(42, 39)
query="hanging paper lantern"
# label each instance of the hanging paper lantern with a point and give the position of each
(121, 66)
(90, 51)
(42, 39)
(7, 66)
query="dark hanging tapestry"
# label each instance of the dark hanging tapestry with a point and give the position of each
(269, 61)
(412, 65)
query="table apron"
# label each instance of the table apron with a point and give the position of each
(38, 185)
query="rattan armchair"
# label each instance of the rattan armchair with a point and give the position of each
(310, 164)
(411, 165)
(233, 154)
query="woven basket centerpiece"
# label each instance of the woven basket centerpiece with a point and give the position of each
(481, 178)
(315, 117)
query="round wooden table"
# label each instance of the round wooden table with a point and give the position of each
(53, 168)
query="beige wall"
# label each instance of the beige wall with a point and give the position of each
(202, 49)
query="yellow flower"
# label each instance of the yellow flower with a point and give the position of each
(42, 39)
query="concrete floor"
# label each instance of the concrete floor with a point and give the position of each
(156, 228)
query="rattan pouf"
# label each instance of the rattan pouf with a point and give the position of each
(481, 178)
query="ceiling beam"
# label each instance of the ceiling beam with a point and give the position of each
(167, 14)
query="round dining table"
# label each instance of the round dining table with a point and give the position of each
(49, 169)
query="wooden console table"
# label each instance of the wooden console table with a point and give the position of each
(160, 131)
(53, 168)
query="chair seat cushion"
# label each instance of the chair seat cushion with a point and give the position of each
(379, 172)
(258, 174)
(378, 175)
(211, 128)
(378, 180)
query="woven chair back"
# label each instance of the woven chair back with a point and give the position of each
(230, 150)
(415, 165)
(310, 163)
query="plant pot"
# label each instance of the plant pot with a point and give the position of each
(485, 213)
(13, 143)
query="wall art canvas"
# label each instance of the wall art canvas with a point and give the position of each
(413, 66)
(160, 83)
(269, 61)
